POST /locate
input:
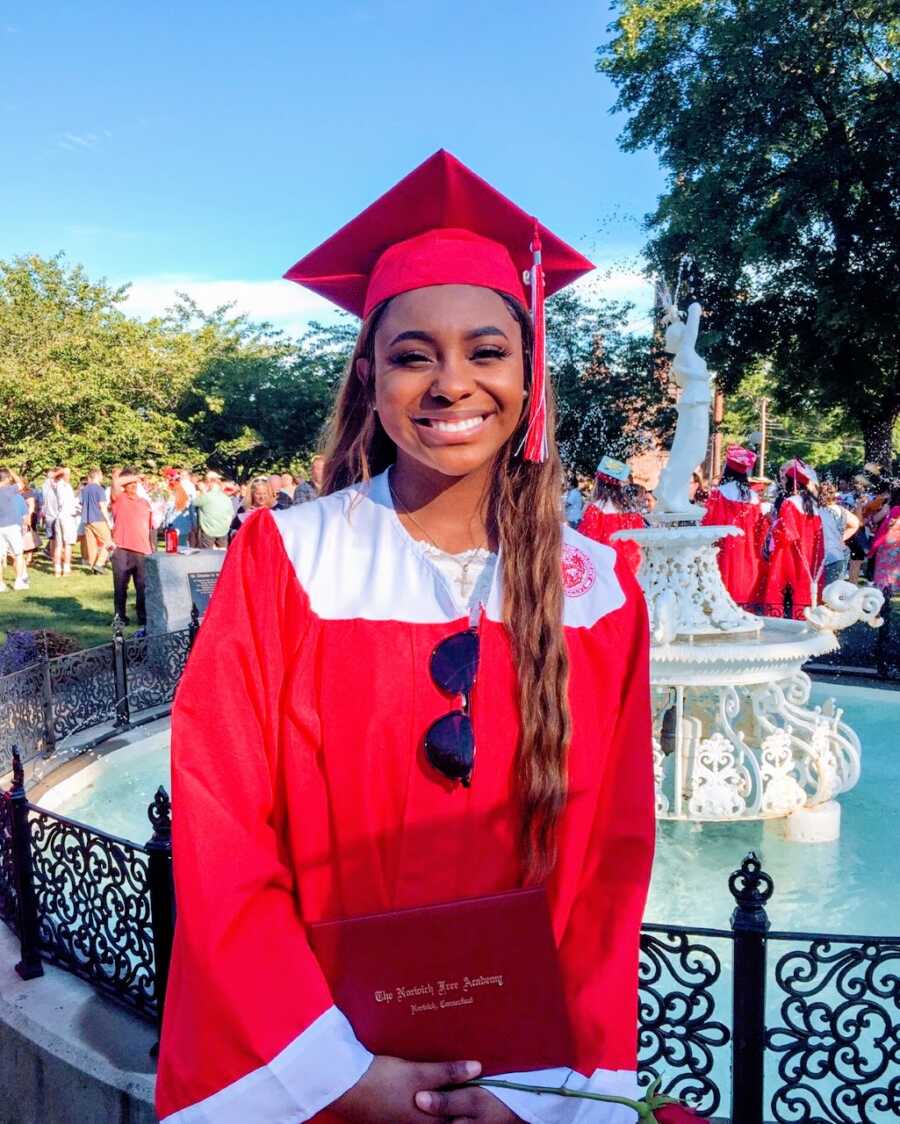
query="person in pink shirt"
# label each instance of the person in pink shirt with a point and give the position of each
(132, 535)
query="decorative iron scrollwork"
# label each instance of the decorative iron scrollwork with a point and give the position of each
(840, 1035)
(153, 667)
(677, 1030)
(83, 690)
(22, 715)
(159, 813)
(94, 906)
(751, 887)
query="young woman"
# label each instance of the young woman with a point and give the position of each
(735, 504)
(613, 508)
(259, 494)
(335, 783)
(795, 545)
(179, 513)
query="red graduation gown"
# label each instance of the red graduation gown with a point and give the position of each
(601, 525)
(300, 793)
(740, 557)
(797, 560)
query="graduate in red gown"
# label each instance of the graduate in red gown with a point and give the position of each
(795, 546)
(612, 509)
(317, 770)
(734, 503)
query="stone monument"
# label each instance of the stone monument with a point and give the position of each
(170, 591)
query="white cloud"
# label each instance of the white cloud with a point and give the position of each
(283, 303)
(290, 307)
(76, 142)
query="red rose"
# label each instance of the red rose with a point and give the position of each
(677, 1114)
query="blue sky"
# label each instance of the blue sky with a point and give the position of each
(208, 146)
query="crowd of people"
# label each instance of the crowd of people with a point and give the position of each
(115, 524)
(798, 534)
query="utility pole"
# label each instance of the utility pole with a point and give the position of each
(718, 417)
(763, 419)
(714, 453)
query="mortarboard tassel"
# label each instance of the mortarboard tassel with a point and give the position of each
(536, 435)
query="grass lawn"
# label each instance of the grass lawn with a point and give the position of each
(81, 605)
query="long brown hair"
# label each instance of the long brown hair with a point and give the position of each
(523, 515)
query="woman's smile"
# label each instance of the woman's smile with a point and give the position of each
(453, 427)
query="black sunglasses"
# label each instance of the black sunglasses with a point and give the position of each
(450, 741)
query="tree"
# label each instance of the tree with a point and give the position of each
(823, 439)
(80, 383)
(612, 389)
(83, 384)
(259, 400)
(779, 124)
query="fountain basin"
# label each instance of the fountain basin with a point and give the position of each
(733, 738)
(777, 648)
(837, 886)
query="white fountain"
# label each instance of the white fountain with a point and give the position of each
(733, 736)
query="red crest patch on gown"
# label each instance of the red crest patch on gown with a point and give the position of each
(578, 571)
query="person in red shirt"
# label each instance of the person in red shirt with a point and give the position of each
(795, 546)
(734, 503)
(612, 509)
(132, 535)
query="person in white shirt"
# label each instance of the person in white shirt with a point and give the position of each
(61, 509)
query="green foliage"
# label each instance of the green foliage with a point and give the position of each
(779, 122)
(611, 386)
(81, 383)
(258, 400)
(824, 439)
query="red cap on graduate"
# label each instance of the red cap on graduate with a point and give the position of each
(739, 458)
(443, 225)
(799, 470)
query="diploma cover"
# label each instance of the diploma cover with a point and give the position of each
(476, 979)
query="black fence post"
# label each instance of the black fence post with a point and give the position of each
(26, 902)
(162, 894)
(47, 704)
(120, 673)
(194, 626)
(751, 888)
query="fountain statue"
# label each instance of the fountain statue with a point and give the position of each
(692, 432)
(733, 736)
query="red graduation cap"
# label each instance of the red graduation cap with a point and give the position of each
(739, 458)
(443, 225)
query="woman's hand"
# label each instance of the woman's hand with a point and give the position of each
(459, 1105)
(393, 1091)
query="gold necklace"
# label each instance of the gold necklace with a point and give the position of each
(463, 565)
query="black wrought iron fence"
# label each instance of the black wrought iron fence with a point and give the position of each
(67, 695)
(96, 905)
(732, 1024)
(23, 720)
(8, 900)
